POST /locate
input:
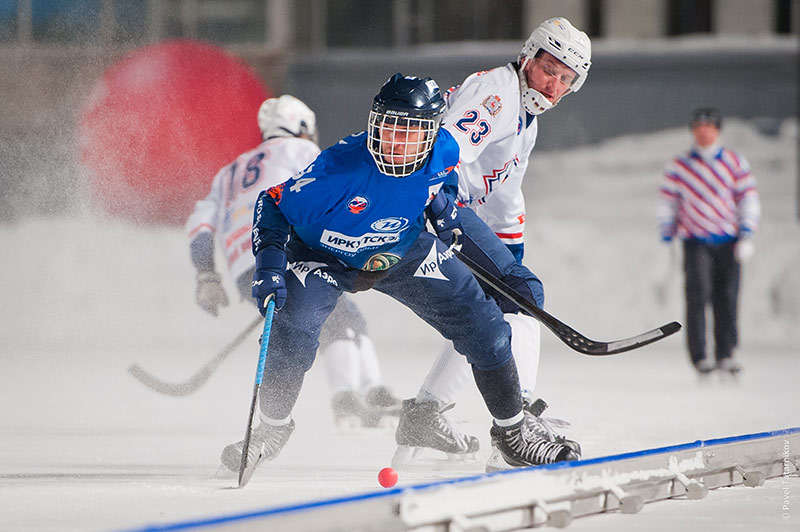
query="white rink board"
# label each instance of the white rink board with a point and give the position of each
(558, 492)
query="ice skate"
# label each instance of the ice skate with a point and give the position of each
(382, 408)
(728, 369)
(266, 443)
(520, 446)
(545, 427)
(348, 408)
(426, 439)
(379, 408)
(704, 368)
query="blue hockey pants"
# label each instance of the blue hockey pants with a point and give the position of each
(429, 280)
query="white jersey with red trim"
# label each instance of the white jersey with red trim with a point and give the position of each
(227, 211)
(496, 137)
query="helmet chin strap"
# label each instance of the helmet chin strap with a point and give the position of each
(533, 101)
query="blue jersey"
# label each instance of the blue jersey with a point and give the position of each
(345, 207)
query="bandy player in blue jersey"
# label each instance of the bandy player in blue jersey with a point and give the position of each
(354, 220)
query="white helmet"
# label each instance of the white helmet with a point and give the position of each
(286, 117)
(566, 43)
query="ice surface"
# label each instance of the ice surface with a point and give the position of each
(86, 447)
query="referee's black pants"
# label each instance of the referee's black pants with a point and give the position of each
(712, 276)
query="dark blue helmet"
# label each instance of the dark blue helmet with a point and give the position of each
(706, 115)
(412, 96)
(403, 124)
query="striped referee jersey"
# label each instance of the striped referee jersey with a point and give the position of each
(709, 195)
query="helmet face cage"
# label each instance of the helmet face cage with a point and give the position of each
(400, 144)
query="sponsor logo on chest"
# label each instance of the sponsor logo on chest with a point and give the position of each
(350, 245)
(357, 204)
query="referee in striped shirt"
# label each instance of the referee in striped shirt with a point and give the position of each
(709, 200)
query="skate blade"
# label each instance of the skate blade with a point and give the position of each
(389, 422)
(496, 462)
(729, 377)
(704, 378)
(356, 423)
(557, 423)
(348, 423)
(384, 423)
(426, 459)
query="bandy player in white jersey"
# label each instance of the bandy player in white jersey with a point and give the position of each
(289, 133)
(492, 116)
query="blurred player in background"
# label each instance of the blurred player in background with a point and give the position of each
(289, 133)
(358, 213)
(492, 116)
(709, 200)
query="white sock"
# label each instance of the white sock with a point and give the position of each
(447, 377)
(276, 422)
(451, 370)
(370, 369)
(342, 361)
(510, 421)
(426, 397)
(526, 335)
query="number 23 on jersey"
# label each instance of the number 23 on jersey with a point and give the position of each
(471, 125)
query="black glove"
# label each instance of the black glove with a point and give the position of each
(268, 279)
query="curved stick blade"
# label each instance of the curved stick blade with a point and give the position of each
(176, 389)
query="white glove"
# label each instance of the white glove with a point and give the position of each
(210, 294)
(744, 250)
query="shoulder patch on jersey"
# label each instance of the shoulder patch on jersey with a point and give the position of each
(492, 104)
(276, 193)
(432, 191)
(450, 91)
(442, 173)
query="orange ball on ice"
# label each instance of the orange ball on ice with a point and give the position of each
(387, 477)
